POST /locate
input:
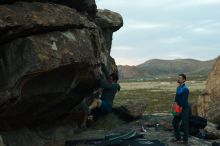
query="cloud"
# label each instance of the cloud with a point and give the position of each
(202, 2)
(133, 4)
(176, 55)
(129, 61)
(165, 29)
(173, 40)
(204, 26)
(137, 24)
(200, 30)
(125, 51)
(152, 4)
(122, 48)
(196, 3)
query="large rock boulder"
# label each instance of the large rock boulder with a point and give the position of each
(88, 6)
(208, 102)
(131, 110)
(48, 59)
(24, 19)
(107, 19)
(1, 142)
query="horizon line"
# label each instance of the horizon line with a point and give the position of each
(198, 59)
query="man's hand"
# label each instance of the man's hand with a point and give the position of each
(98, 92)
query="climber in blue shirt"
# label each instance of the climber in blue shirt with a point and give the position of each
(181, 99)
(108, 86)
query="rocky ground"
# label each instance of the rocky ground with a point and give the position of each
(108, 125)
(112, 125)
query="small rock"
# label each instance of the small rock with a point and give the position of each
(1, 142)
(131, 110)
(212, 131)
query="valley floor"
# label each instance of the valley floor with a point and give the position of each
(157, 95)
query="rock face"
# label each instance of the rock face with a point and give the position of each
(212, 131)
(132, 110)
(49, 51)
(25, 19)
(88, 6)
(1, 142)
(208, 102)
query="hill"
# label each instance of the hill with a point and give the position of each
(157, 68)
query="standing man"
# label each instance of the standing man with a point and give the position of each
(181, 99)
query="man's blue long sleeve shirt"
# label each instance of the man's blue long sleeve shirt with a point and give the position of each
(182, 94)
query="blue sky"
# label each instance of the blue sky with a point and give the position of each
(165, 29)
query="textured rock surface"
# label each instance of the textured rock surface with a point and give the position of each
(48, 58)
(211, 131)
(132, 110)
(1, 142)
(61, 133)
(42, 71)
(24, 19)
(49, 51)
(108, 19)
(208, 102)
(80, 5)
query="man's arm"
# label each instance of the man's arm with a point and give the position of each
(105, 70)
(175, 98)
(106, 85)
(184, 98)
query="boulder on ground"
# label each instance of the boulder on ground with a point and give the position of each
(131, 110)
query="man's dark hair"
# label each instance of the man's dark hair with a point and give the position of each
(114, 76)
(183, 76)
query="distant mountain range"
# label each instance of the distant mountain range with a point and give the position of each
(157, 68)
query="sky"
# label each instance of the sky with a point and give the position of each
(165, 29)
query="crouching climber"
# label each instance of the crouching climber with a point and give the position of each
(102, 104)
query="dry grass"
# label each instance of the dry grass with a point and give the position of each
(157, 95)
(161, 85)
